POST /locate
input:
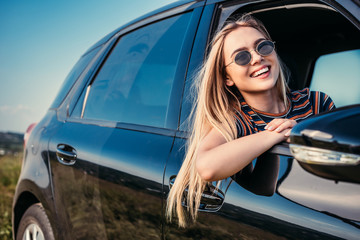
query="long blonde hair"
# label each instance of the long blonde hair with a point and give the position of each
(213, 108)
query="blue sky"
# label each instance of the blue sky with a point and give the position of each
(41, 40)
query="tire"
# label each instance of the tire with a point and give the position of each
(35, 225)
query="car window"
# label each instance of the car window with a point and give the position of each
(337, 75)
(135, 82)
(73, 76)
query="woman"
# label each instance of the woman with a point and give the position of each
(243, 108)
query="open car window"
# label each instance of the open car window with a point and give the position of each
(301, 41)
(321, 50)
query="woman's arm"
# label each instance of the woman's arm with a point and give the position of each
(218, 159)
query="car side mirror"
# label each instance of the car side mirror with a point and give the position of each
(328, 144)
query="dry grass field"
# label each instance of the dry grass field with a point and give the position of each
(10, 166)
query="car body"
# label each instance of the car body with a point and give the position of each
(100, 163)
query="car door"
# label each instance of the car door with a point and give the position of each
(108, 158)
(292, 202)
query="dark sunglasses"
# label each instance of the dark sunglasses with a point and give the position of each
(264, 48)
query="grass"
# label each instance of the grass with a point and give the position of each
(9, 172)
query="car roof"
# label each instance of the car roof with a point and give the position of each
(186, 4)
(148, 16)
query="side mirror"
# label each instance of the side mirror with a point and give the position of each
(328, 144)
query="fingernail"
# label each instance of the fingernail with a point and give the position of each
(277, 130)
(270, 128)
(287, 134)
(266, 127)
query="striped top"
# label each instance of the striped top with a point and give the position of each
(303, 104)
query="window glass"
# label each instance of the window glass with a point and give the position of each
(134, 84)
(337, 75)
(73, 76)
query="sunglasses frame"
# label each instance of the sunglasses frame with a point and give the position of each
(256, 50)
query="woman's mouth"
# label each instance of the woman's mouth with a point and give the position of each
(262, 72)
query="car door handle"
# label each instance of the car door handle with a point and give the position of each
(66, 154)
(212, 198)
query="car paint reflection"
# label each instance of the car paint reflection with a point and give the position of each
(338, 198)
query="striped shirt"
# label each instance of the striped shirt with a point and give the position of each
(303, 104)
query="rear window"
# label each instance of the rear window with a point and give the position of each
(73, 76)
(134, 84)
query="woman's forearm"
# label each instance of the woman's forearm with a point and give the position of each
(228, 158)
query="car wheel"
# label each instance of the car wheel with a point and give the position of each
(35, 225)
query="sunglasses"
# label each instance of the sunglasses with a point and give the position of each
(263, 48)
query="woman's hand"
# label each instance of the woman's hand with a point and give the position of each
(281, 124)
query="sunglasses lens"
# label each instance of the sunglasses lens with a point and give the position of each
(265, 48)
(243, 58)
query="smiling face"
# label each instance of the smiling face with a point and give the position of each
(261, 74)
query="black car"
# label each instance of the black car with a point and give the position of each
(100, 163)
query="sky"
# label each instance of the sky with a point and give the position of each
(41, 40)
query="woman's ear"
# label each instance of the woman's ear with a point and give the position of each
(229, 82)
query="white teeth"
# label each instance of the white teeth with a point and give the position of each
(261, 71)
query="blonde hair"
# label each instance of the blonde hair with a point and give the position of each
(213, 108)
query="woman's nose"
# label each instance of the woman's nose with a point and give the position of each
(255, 57)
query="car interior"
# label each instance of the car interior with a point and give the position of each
(302, 32)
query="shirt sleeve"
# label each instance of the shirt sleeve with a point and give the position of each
(321, 102)
(240, 129)
(328, 103)
(243, 125)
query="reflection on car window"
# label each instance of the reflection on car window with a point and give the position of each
(73, 75)
(338, 75)
(134, 84)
